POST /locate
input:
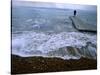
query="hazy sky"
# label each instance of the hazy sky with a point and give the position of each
(33, 3)
(93, 2)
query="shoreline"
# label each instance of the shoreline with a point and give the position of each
(36, 64)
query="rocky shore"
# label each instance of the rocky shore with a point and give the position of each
(21, 65)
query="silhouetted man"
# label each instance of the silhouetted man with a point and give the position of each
(74, 12)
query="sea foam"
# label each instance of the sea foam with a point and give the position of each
(42, 44)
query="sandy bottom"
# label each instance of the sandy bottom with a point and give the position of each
(25, 65)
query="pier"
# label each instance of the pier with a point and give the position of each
(81, 25)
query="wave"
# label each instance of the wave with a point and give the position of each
(66, 45)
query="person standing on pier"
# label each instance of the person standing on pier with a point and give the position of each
(74, 12)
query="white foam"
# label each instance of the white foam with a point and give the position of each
(32, 41)
(29, 20)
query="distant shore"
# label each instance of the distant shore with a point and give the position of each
(24, 65)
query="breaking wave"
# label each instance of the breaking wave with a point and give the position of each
(66, 45)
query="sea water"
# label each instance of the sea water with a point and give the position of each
(42, 31)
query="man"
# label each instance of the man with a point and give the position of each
(74, 12)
